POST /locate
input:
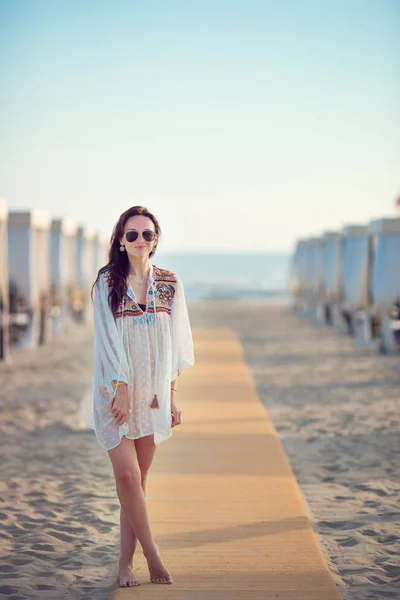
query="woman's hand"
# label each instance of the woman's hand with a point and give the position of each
(175, 410)
(120, 405)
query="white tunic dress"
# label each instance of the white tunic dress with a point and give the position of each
(146, 350)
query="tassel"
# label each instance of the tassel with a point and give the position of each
(154, 402)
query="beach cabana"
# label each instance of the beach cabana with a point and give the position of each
(306, 276)
(29, 276)
(63, 272)
(4, 304)
(100, 252)
(297, 275)
(312, 272)
(85, 272)
(330, 288)
(356, 266)
(385, 279)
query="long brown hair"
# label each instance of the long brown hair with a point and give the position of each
(118, 262)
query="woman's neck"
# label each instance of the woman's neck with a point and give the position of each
(138, 267)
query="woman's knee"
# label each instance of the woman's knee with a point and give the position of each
(129, 477)
(125, 464)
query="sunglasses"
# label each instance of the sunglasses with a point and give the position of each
(132, 236)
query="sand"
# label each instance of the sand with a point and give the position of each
(59, 507)
(335, 408)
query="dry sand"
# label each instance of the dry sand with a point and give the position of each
(337, 412)
(59, 506)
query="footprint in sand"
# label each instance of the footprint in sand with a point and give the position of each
(343, 498)
(348, 542)
(7, 569)
(8, 590)
(340, 524)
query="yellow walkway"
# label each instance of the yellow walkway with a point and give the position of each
(224, 505)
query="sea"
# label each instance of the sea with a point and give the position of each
(250, 277)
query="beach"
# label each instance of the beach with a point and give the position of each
(335, 407)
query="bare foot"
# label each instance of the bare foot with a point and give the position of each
(158, 571)
(126, 578)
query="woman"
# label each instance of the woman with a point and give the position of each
(143, 342)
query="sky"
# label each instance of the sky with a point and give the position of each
(242, 125)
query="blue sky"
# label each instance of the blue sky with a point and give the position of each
(242, 125)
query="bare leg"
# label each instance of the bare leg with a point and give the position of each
(131, 496)
(128, 541)
(145, 450)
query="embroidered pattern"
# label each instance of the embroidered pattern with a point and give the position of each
(165, 290)
(108, 277)
(163, 275)
(165, 293)
(131, 309)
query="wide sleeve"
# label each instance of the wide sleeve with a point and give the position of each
(110, 357)
(182, 340)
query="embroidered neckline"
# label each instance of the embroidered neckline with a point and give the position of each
(162, 284)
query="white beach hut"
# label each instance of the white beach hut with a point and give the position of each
(331, 278)
(4, 304)
(101, 245)
(297, 275)
(385, 278)
(313, 272)
(356, 267)
(29, 276)
(63, 272)
(306, 276)
(83, 307)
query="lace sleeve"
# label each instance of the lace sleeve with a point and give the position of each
(110, 355)
(182, 341)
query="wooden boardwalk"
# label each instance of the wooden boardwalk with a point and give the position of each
(224, 505)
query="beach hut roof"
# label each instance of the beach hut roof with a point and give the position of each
(35, 218)
(66, 226)
(354, 230)
(385, 226)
